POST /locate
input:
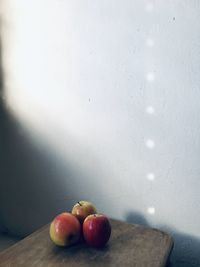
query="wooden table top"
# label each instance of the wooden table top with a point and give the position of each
(129, 245)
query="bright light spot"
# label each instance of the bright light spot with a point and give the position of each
(150, 77)
(151, 210)
(149, 7)
(151, 176)
(150, 42)
(150, 143)
(150, 110)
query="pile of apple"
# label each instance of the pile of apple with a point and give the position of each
(67, 228)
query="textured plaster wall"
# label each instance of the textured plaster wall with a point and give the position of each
(103, 101)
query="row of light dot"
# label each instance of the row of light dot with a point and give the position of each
(150, 77)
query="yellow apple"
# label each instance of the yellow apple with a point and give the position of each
(82, 209)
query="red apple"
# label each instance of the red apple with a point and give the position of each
(96, 230)
(65, 229)
(82, 209)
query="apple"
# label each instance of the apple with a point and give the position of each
(82, 209)
(96, 230)
(65, 229)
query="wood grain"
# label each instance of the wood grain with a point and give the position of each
(130, 245)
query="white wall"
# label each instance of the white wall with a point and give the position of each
(110, 90)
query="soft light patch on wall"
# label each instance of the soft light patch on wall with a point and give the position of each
(150, 143)
(150, 110)
(151, 210)
(149, 7)
(150, 42)
(150, 77)
(150, 176)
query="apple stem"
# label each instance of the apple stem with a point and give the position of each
(79, 203)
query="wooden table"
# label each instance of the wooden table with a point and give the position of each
(129, 245)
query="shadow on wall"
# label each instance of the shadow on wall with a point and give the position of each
(36, 180)
(35, 184)
(30, 184)
(186, 248)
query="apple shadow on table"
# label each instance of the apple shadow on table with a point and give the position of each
(84, 252)
(186, 250)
